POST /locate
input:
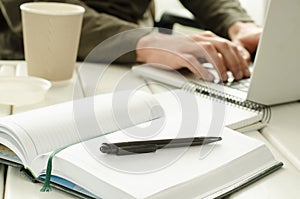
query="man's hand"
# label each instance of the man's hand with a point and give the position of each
(177, 51)
(225, 54)
(246, 35)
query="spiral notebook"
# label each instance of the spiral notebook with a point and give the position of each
(242, 115)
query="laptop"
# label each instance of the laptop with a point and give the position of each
(275, 75)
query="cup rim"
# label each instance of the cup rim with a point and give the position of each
(37, 8)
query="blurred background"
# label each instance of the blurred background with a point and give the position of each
(255, 8)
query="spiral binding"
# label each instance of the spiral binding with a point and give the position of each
(219, 96)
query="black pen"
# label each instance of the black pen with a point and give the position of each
(126, 148)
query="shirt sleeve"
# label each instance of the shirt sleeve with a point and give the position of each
(106, 38)
(217, 15)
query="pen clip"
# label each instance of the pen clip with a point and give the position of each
(127, 150)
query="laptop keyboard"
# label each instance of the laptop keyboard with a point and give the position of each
(242, 85)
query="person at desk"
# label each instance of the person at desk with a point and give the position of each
(103, 19)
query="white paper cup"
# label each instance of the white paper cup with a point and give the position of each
(51, 33)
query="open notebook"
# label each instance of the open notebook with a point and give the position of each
(67, 130)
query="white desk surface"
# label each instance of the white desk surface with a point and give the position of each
(284, 131)
(281, 136)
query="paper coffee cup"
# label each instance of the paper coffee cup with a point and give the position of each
(51, 33)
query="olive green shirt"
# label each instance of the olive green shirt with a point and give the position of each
(104, 19)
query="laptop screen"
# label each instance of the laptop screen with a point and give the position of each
(275, 77)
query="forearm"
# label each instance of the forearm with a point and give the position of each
(109, 38)
(218, 15)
